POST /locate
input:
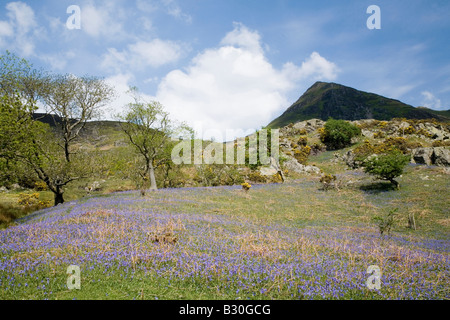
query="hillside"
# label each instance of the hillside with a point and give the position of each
(324, 100)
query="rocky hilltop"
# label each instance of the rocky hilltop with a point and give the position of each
(324, 100)
(426, 141)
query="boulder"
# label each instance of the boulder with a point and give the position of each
(15, 186)
(272, 169)
(294, 165)
(441, 157)
(350, 159)
(422, 156)
(268, 171)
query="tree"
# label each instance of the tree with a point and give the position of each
(338, 134)
(386, 166)
(71, 100)
(149, 129)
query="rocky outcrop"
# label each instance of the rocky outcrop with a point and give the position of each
(295, 166)
(422, 156)
(439, 156)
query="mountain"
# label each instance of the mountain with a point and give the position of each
(324, 100)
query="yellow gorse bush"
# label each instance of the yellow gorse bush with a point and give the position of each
(246, 186)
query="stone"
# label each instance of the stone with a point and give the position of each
(272, 169)
(367, 133)
(441, 156)
(295, 166)
(268, 171)
(15, 186)
(422, 156)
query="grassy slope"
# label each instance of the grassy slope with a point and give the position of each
(288, 241)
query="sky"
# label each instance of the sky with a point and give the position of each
(229, 67)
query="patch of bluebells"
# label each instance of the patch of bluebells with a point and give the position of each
(245, 257)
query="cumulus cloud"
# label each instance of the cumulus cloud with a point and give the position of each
(234, 86)
(430, 101)
(20, 30)
(315, 67)
(143, 54)
(101, 21)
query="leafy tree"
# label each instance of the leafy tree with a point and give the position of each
(386, 166)
(74, 101)
(149, 130)
(29, 142)
(338, 134)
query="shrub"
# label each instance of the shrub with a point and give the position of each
(408, 130)
(301, 155)
(441, 143)
(327, 181)
(338, 134)
(385, 223)
(40, 186)
(378, 135)
(382, 124)
(246, 186)
(386, 166)
(302, 141)
(256, 177)
(28, 199)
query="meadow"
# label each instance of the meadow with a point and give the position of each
(275, 241)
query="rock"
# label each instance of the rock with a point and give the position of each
(441, 156)
(294, 165)
(268, 171)
(350, 159)
(95, 186)
(272, 169)
(367, 133)
(15, 186)
(422, 156)
(3, 189)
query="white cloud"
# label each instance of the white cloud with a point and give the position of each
(235, 86)
(121, 83)
(101, 21)
(22, 15)
(143, 54)
(315, 67)
(244, 38)
(21, 30)
(430, 101)
(174, 10)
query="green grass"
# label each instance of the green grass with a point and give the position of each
(296, 205)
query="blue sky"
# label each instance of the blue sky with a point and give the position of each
(234, 65)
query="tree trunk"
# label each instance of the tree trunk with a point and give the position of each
(59, 198)
(411, 221)
(151, 174)
(395, 183)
